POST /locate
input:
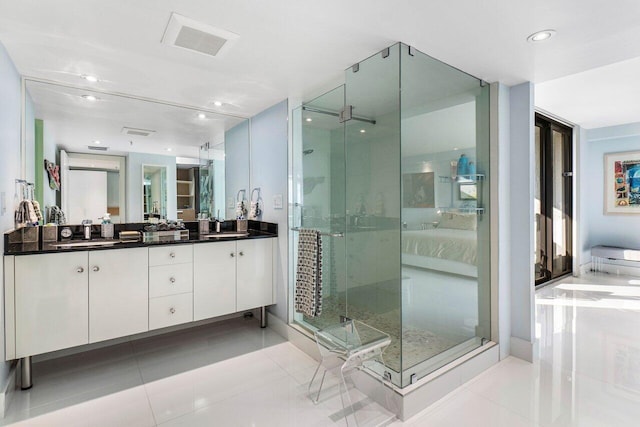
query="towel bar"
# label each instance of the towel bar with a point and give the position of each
(322, 233)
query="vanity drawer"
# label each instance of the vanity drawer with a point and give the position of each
(170, 310)
(170, 280)
(171, 254)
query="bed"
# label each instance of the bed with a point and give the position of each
(451, 250)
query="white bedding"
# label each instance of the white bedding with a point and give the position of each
(443, 243)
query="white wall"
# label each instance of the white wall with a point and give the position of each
(134, 184)
(10, 106)
(596, 228)
(521, 256)
(236, 165)
(269, 131)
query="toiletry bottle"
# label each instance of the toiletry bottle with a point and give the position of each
(218, 222)
(106, 227)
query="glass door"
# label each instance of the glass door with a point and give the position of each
(372, 147)
(319, 198)
(553, 199)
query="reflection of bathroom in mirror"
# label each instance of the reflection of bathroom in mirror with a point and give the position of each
(117, 134)
(154, 192)
(94, 185)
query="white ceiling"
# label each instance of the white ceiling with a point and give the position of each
(290, 48)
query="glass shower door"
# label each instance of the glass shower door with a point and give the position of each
(319, 197)
(372, 152)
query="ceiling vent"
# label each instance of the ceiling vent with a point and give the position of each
(196, 36)
(96, 148)
(137, 132)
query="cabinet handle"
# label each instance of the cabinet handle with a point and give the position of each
(172, 255)
(241, 253)
(96, 268)
(172, 310)
(172, 280)
(80, 270)
(232, 254)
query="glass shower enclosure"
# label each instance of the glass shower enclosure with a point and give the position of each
(392, 169)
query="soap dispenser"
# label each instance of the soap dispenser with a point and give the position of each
(106, 227)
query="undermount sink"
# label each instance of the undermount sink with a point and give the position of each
(85, 243)
(225, 235)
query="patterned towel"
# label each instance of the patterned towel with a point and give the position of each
(308, 295)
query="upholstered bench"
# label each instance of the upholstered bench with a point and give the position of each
(626, 257)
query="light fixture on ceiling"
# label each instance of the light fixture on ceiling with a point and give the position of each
(217, 103)
(455, 148)
(91, 98)
(541, 36)
(89, 78)
(96, 142)
(308, 119)
(362, 131)
(168, 149)
(202, 116)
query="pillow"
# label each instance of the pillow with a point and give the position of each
(459, 221)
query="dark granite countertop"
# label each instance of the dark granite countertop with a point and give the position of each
(257, 230)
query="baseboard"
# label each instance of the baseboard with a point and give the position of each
(295, 336)
(522, 349)
(585, 268)
(7, 394)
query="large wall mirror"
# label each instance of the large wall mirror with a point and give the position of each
(132, 157)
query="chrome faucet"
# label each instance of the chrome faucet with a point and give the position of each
(87, 229)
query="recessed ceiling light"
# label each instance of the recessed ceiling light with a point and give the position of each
(541, 36)
(202, 116)
(456, 148)
(96, 142)
(362, 131)
(91, 98)
(217, 103)
(168, 149)
(308, 119)
(89, 78)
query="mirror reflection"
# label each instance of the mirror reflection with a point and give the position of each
(154, 192)
(121, 139)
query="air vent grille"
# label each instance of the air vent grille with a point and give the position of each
(196, 36)
(190, 38)
(137, 132)
(95, 148)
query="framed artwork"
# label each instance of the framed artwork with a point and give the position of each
(622, 183)
(468, 191)
(418, 190)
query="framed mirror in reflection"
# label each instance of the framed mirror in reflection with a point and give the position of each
(115, 137)
(154, 192)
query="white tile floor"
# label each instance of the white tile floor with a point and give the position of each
(234, 374)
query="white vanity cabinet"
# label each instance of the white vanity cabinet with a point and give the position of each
(58, 300)
(232, 276)
(214, 279)
(254, 273)
(51, 302)
(170, 285)
(118, 293)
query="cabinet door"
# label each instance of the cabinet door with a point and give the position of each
(118, 293)
(51, 302)
(214, 279)
(255, 273)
